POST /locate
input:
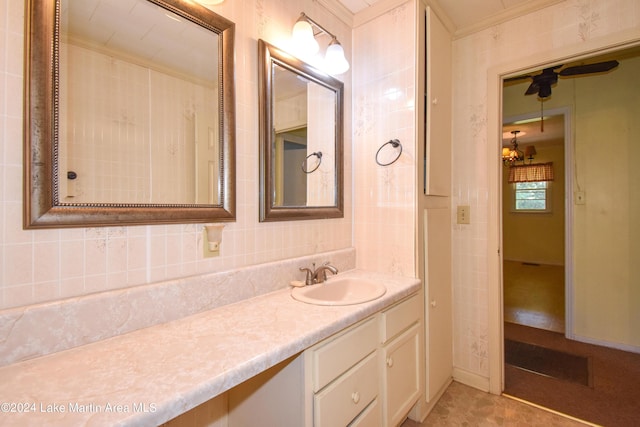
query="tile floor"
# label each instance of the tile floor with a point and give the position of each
(462, 405)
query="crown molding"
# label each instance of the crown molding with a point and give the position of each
(338, 10)
(383, 6)
(441, 14)
(375, 10)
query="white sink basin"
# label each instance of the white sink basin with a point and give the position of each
(340, 291)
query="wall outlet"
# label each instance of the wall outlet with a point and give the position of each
(580, 198)
(464, 215)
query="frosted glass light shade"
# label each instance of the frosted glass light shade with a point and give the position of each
(335, 61)
(303, 38)
(214, 235)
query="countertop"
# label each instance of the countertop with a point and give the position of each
(152, 375)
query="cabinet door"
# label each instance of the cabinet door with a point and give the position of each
(437, 227)
(435, 67)
(400, 376)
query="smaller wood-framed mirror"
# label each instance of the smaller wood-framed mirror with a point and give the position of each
(129, 113)
(301, 139)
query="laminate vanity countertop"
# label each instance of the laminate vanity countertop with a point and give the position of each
(152, 375)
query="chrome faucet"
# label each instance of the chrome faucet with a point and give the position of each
(318, 275)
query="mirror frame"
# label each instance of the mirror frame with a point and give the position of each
(41, 207)
(268, 55)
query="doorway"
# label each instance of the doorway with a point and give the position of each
(578, 392)
(534, 230)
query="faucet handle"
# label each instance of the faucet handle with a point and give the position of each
(309, 277)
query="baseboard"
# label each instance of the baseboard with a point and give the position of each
(616, 345)
(421, 410)
(471, 379)
(539, 262)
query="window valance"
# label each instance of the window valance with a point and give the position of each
(531, 173)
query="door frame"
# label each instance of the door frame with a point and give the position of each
(495, 76)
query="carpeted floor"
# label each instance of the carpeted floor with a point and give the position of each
(613, 399)
(534, 314)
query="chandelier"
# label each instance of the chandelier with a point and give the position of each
(512, 155)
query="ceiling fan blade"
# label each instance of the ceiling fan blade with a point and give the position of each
(598, 67)
(533, 88)
(517, 78)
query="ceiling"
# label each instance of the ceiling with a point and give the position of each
(534, 131)
(465, 15)
(160, 36)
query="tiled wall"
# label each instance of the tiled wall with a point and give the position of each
(143, 114)
(566, 28)
(47, 265)
(384, 109)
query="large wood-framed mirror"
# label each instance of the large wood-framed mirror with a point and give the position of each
(129, 113)
(301, 139)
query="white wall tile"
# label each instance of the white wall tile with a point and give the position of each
(82, 260)
(384, 109)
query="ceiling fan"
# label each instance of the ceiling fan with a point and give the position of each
(542, 82)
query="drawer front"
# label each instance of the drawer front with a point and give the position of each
(330, 360)
(370, 417)
(348, 396)
(400, 317)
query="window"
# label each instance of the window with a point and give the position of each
(532, 196)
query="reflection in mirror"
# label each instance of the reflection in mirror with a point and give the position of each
(142, 105)
(301, 139)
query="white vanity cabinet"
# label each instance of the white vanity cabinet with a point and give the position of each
(367, 375)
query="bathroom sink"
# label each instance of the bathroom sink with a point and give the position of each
(339, 291)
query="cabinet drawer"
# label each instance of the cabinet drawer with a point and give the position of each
(400, 317)
(349, 395)
(338, 355)
(370, 417)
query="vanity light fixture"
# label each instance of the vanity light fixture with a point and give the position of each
(305, 44)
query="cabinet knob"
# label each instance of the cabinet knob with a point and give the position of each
(390, 361)
(435, 101)
(433, 303)
(355, 397)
